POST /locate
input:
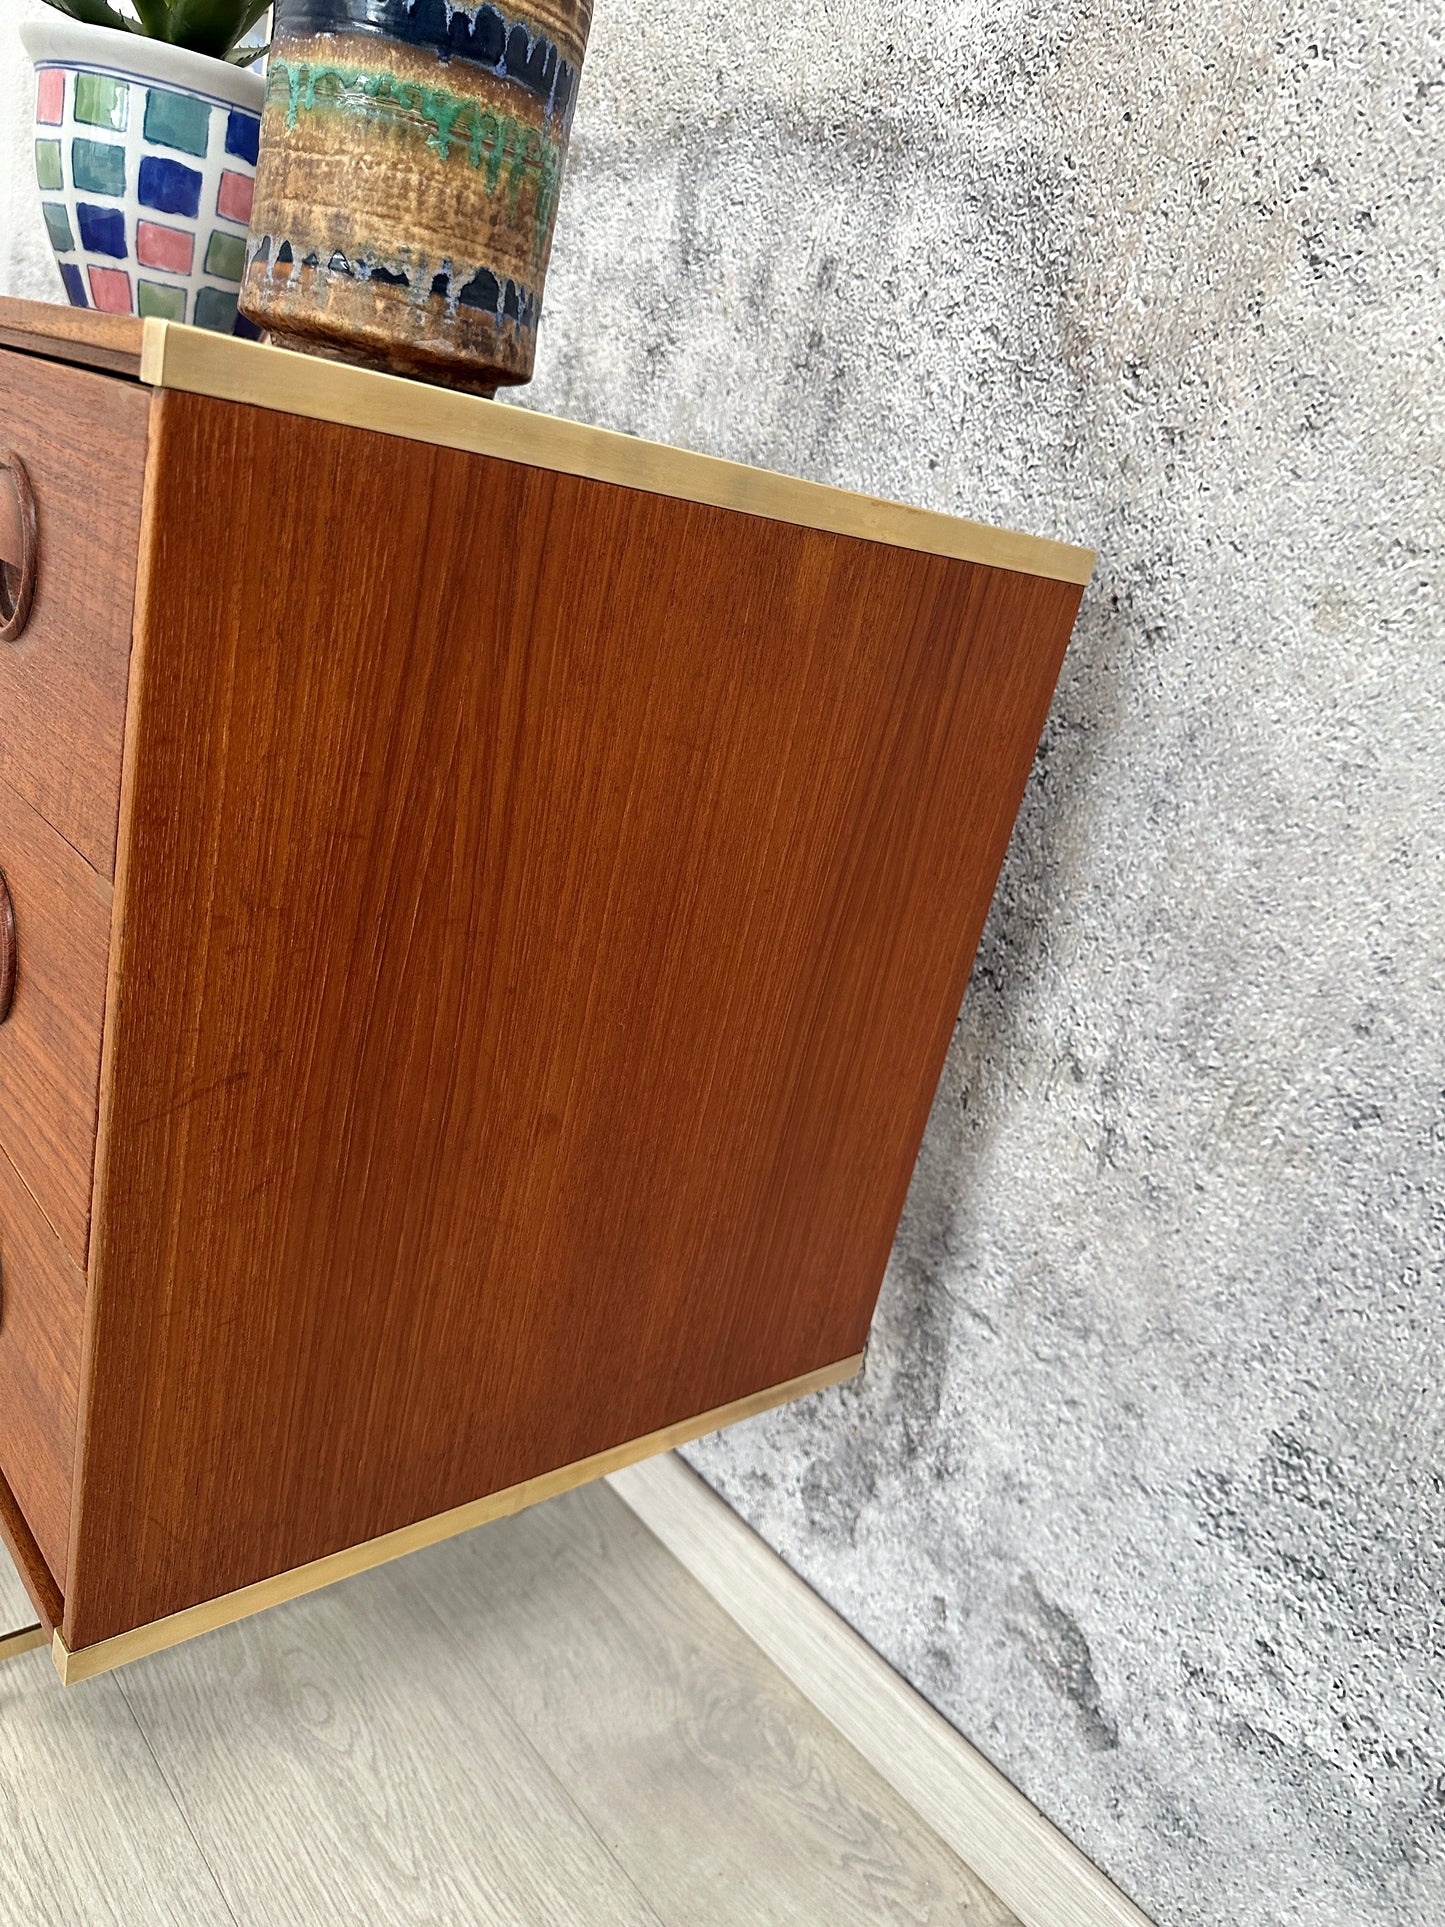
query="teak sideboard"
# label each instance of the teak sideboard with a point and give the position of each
(485, 904)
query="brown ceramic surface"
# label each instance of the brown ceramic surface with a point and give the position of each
(405, 200)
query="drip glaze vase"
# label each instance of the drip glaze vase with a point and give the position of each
(411, 159)
(144, 156)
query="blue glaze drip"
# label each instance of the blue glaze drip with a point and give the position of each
(509, 304)
(504, 45)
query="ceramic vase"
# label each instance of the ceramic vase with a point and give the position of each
(411, 159)
(145, 155)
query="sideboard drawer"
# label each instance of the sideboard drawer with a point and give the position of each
(50, 1041)
(42, 1310)
(81, 439)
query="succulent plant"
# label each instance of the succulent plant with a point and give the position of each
(205, 26)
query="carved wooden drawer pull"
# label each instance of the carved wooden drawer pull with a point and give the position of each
(9, 949)
(19, 546)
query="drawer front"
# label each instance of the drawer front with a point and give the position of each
(42, 1310)
(50, 1041)
(81, 439)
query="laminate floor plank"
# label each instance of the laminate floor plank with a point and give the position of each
(341, 1760)
(89, 1830)
(15, 1607)
(545, 1722)
(724, 1793)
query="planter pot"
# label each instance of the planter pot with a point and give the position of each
(411, 157)
(146, 159)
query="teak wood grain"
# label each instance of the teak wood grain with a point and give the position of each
(228, 1609)
(50, 1043)
(543, 910)
(82, 438)
(42, 1302)
(108, 341)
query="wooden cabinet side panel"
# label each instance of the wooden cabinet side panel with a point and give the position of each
(544, 909)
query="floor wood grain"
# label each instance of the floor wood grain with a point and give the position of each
(90, 1830)
(15, 1607)
(358, 1722)
(545, 1722)
(720, 1789)
(1031, 1866)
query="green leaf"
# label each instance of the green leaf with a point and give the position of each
(155, 18)
(94, 13)
(212, 26)
(247, 56)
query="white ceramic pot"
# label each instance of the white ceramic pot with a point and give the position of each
(145, 155)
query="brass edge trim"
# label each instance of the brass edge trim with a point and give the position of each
(153, 352)
(30, 1640)
(90, 1661)
(229, 369)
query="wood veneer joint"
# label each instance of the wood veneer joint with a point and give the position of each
(121, 363)
(56, 332)
(146, 545)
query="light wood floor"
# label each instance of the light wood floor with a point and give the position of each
(548, 1721)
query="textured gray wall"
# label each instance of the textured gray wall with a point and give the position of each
(1145, 1486)
(27, 266)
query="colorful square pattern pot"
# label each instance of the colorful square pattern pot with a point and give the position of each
(145, 156)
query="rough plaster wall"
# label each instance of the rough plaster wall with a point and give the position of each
(1144, 1485)
(27, 267)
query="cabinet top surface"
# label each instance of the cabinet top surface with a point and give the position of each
(163, 354)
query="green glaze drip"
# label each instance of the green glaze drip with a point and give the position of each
(506, 153)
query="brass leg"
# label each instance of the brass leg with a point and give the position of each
(27, 1640)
